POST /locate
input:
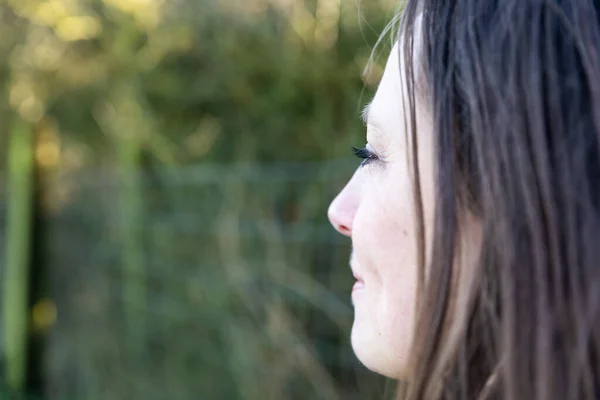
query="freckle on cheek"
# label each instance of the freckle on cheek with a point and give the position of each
(405, 232)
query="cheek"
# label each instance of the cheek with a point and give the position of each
(391, 253)
(384, 245)
(384, 226)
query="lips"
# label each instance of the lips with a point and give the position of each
(359, 284)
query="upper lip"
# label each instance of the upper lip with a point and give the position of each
(356, 275)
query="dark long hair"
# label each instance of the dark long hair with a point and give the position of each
(514, 92)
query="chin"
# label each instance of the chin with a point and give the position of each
(376, 353)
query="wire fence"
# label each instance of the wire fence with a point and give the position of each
(161, 275)
(211, 282)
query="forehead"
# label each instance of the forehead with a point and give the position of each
(389, 94)
(391, 97)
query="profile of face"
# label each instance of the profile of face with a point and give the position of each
(376, 209)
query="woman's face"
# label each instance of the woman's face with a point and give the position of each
(376, 209)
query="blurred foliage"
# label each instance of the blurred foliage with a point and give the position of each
(186, 153)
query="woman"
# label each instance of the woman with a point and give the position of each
(475, 215)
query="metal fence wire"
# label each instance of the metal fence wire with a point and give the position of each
(203, 282)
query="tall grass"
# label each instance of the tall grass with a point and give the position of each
(234, 309)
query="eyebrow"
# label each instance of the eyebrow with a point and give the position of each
(364, 114)
(367, 118)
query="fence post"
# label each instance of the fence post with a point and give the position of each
(134, 285)
(122, 119)
(15, 289)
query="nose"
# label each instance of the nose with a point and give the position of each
(342, 210)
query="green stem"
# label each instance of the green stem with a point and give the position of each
(16, 275)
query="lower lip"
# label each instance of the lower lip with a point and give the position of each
(358, 286)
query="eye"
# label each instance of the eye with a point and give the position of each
(366, 154)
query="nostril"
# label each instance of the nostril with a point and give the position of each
(338, 220)
(342, 210)
(344, 230)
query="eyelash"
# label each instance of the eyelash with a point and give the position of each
(367, 155)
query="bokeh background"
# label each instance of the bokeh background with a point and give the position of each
(165, 172)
